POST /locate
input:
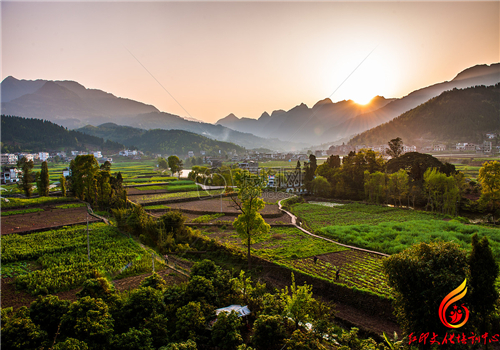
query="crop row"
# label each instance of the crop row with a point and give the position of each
(62, 255)
(362, 273)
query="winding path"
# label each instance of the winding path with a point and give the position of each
(294, 222)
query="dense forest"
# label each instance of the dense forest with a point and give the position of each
(33, 135)
(161, 141)
(459, 115)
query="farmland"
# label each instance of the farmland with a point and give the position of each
(57, 260)
(388, 230)
(293, 249)
(47, 216)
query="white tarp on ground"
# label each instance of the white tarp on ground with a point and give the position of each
(240, 310)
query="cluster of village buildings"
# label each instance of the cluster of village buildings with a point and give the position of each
(251, 158)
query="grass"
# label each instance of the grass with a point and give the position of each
(207, 218)
(318, 216)
(17, 202)
(69, 206)
(389, 230)
(159, 206)
(169, 196)
(394, 237)
(24, 211)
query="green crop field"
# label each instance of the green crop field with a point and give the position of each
(291, 248)
(22, 211)
(176, 195)
(15, 202)
(360, 271)
(281, 243)
(61, 256)
(388, 230)
(318, 216)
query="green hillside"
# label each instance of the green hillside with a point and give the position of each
(161, 141)
(458, 115)
(33, 135)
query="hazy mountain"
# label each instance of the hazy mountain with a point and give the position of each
(35, 135)
(302, 123)
(65, 102)
(459, 115)
(70, 104)
(328, 122)
(477, 75)
(161, 141)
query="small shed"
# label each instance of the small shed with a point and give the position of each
(242, 311)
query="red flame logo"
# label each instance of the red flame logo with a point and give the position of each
(456, 314)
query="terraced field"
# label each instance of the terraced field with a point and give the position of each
(356, 270)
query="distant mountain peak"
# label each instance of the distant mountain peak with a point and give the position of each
(478, 70)
(230, 118)
(325, 101)
(264, 115)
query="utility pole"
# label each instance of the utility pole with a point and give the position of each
(88, 238)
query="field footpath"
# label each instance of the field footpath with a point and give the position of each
(294, 222)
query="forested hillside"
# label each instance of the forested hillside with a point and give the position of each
(161, 141)
(459, 115)
(33, 135)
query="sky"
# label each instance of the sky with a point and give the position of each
(208, 59)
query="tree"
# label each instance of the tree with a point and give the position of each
(303, 340)
(88, 319)
(298, 303)
(154, 281)
(443, 192)
(298, 164)
(489, 177)
(190, 322)
(313, 163)
(84, 169)
(395, 147)
(398, 186)
(321, 187)
(133, 339)
(187, 345)
(225, 331)
(269, 332)
(162, 163)
(26, 176)
(20, 332)
(375, 186)
(175, 165)
(250, 224)
(421, 277)
(483, 273)
(71, 344)
(43, 181)
(62, 181)
(47, 312)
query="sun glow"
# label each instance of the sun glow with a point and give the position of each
(363, 99)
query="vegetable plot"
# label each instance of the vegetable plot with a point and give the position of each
(62, 255)
(358, 270)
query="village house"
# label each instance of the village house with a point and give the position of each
(465, 146)
(9, 158)
(10, 175)
(439, 148)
